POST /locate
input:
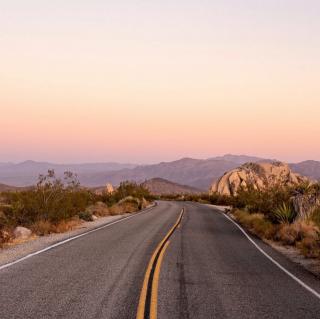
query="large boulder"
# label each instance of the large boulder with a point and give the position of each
(258, 175)
(22, 232)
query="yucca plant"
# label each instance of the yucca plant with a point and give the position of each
(284, 214)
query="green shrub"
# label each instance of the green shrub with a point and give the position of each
(126, 189)
(263, 201)
(284, 214)
(86, 216)
(52, 199)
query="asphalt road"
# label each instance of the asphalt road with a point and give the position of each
(207, 268)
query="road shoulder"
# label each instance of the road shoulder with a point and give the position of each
(16, 252)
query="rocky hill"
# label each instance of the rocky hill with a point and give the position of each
(160, 186)
(8, 188)
(259, 175)
(310, 169)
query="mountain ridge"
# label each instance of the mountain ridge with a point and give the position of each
(161, 186)
(197, 173)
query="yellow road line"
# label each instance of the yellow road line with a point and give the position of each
(144, 290)
(155, 284)
(143, 295)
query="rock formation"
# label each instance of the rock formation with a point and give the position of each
(109, 189)
(22, 232)
(259, 175)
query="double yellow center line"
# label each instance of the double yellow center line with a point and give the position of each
(148, 302)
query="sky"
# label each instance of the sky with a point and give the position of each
(149, 81)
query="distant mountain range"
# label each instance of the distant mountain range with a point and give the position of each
(26, 173)
(310, 169)
(8, 188)
(197, 173)
(160, 186)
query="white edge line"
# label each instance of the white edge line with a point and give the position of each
(72, 238)
(300, 282)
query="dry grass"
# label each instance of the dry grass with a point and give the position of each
(309, 247)
(123, 208)
(290, 234)
(6, 236)
(99, 209)
(256, 224)
(43, 228)
(301, 234)
(67, 225)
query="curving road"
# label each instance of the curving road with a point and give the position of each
(203, 266)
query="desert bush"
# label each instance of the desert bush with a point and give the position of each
(6, 235)
(177, 197)
(66, 225)
(284, 214)
(98, 209)
(124, 208)
(45, 227)
(126, 189)
(263, 201)
(315, 216)
(42, 227)
(288, 234)
(86, 216)
(298, 230)
(256, 223)
(309, 248)
(218, 199)
(57, 205)
(52, 199)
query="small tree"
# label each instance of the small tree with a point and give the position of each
(52, 191)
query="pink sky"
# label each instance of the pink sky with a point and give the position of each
(138, 81)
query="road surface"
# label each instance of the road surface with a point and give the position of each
(167, 262)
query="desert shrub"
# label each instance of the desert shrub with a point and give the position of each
(284, 214)
(66, 225)
(52, 199)
(126, 189)
(177, 197)
(218, 199)
(126, 205)
(5, 236)
(98, 209)
(291, 234)
(86, 216)
(256, 223)
(288, 234)
(3, 219)
(205, 198)
(315, 216)
(263, 201)
(42, 227)
(309, 248)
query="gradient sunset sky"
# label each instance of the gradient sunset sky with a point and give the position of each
(146, 81)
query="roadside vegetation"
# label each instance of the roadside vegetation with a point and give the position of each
(57, 205)
(287, 215)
